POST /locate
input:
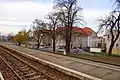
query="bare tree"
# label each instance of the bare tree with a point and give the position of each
(38, 26)
(53, 23)
(70, 13)
(112, 24)
(117, 3)
(10, 37)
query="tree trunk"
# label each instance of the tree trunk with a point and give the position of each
(67, 48)
(38, 45)
(68, 39)
(53, 44)
(19, 43)
(110, 49)
(67, 44)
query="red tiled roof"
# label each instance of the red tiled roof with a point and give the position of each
(100, 37)
(63, 28)
(83, 31)
(88, 31)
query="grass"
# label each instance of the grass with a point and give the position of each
(97, 57)
(106, 54)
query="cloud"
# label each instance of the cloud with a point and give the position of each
(91, 16)
(7, 25)
(27, 11)
(18, 14)
(97, 4)
(16, 0)
(4, 30)
(93, 9)
(14, 14)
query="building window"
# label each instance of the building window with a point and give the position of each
(108, 37)
(117, 45)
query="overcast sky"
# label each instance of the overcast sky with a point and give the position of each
(19, 14)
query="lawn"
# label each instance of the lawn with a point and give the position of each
(99, 57)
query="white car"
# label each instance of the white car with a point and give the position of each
(61, 48)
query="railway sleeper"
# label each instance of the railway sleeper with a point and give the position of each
(35, 77)
(30, 74)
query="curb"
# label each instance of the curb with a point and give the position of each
(1, 77)
(68, 71)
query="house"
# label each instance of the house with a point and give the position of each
(81, 37)
(3, 38)
(116, 48)
(93, 40)
(101, 42)
(47, 41)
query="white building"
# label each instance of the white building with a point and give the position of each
(116, 48)
(81, 37)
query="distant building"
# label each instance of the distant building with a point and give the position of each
(81, 37)
(101, 42)
(116, 49)
(47, 41)
(3, 39)
(93, 40)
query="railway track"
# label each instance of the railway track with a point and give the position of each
(27, 69)
(24, 70)
(7, 72)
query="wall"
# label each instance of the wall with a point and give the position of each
(116, 49)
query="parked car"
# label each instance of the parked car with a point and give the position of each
(61, 48)
(86, 49)
(42, 46)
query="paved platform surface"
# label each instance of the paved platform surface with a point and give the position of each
(1, 77)
(98, 70)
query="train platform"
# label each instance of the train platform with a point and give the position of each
(85, 69)
(1, 77)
